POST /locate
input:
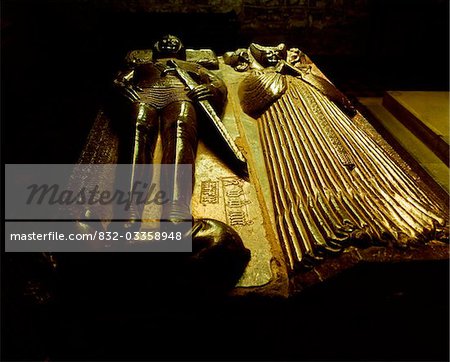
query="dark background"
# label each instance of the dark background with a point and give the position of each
(59, 56)
(58, 59)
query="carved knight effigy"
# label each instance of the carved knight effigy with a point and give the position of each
(167, 95)
(291, 171)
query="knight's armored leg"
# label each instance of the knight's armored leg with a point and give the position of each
(146, 134)
(179, 142)
(137, 178)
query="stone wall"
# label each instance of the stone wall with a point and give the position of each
(291, 14)
(255, 14)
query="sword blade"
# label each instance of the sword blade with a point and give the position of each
(238, 158)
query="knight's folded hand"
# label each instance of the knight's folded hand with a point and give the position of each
(200, 92)
(127, 90)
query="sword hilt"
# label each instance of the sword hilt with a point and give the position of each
(168, 70)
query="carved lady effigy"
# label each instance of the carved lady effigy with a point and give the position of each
(334, 181)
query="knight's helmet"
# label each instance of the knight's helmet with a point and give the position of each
(169, 46)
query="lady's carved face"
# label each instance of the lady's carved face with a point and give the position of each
(268, 56)
(271, 58)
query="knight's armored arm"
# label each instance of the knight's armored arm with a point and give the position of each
(215, 86)
(123, 84)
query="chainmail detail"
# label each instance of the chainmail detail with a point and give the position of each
(164, 91)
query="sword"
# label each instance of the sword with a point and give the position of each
(237, 158)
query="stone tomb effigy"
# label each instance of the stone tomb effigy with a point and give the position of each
(325, 190)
